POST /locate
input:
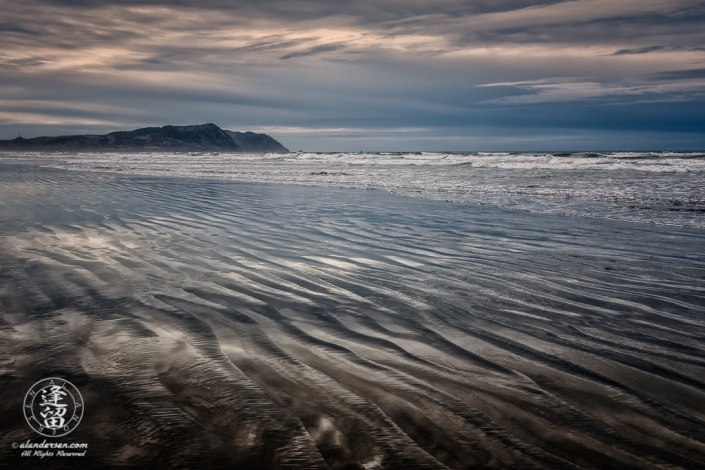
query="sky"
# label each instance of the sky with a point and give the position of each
(328, 75)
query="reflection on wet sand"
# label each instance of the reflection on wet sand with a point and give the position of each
(213, 324)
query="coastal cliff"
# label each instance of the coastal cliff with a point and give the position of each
(194, 138)
(251, 142)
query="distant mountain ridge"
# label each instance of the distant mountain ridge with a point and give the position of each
(194, 138)
(251, 142)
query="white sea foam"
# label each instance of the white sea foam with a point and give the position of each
(655, 187)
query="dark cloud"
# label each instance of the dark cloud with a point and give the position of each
(14, 28)
(368, 11)
(379, 67)
(642, 50)
(315, 50)
(680, 74)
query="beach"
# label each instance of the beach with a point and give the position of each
(211, 323)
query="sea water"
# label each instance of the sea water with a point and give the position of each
(652, 187)
(216, 324)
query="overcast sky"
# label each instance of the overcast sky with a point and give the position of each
(326, 75)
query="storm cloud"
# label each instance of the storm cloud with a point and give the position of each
(362, 75)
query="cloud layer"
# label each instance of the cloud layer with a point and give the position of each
(449, 71)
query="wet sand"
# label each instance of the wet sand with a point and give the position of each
(213, 324)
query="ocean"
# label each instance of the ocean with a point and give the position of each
(367, 311)
(653, 187)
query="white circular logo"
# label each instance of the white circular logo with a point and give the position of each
(53, 407)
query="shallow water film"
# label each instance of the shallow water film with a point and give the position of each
(218, 324)
(662, 187)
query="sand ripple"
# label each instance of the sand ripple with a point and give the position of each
(211, 324)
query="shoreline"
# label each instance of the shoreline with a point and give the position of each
(222, 324)
(677, 214)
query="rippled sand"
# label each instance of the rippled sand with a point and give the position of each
(211, 324)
